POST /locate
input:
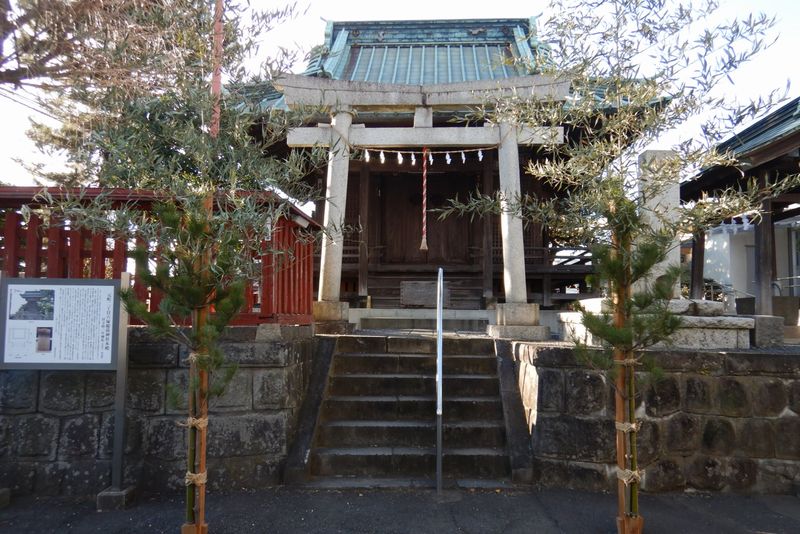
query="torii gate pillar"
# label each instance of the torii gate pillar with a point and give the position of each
(516, 318)
(328, 307)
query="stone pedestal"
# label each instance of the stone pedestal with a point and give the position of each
(114, 499)
(517, 314)
(704, 326)
(518, 321)
(329, 310)
(519, 333)
(269, 332)
(331, 317)
(721, 332)
(767, 331)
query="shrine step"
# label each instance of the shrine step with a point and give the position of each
(412, 384)
(413, 363)
(409, 461)
(421, 482)
(408, 407)
(377, 420)
(468, 320)
(411, 433)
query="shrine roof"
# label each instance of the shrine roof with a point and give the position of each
(773, 127)
(751, 146)
(422, 52)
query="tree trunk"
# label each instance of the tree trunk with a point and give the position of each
(198, 411)
(628, 519)
(199, 525)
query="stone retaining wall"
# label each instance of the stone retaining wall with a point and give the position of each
(56, 426)
(717, 421)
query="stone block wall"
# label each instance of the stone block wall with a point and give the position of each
(56, 427)
(716, 421)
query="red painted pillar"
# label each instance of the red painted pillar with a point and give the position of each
(11, 243)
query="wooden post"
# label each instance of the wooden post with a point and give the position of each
(11, 243)
(698, 261)
(488, 251)
(547, 290)
(363, 245)
(119, 258)
(765, 259)
(33, 246)
(97, 265)
(267, 285)
(56, 240)
(74, 255)
(309, 278)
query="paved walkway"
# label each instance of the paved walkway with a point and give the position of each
(284, 510)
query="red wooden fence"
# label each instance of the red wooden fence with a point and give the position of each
(283, 294)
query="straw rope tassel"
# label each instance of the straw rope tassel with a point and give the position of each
(424, 244)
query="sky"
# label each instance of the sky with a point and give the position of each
(771, 69)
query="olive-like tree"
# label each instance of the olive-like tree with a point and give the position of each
(637, 70)
(219, 183)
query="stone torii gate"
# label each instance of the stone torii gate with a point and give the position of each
(343, 99)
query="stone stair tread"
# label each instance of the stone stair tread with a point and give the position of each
(412, 398)
(416, 375)
(347, 482)
(412, 355)
(377, 422)
(418, 451)
(356, 482)
(370, 423)
(373, 451)
(414, 423)
(474, 451)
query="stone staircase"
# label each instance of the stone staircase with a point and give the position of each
(376, 425)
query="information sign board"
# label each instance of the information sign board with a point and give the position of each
(59, 323)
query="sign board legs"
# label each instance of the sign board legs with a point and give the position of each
(118, 497)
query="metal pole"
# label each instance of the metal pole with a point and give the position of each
(119, 399)
(439, 376)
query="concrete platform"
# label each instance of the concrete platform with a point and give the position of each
(420, 319)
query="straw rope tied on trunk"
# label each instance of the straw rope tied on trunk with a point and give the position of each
(424, 245)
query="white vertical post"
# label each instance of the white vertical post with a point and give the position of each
(330, 272)
(664, 205)
(514, 284)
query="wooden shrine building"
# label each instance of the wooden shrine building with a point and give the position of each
(400, 141)
(762, 260)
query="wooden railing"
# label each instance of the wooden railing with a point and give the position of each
(550, 256)
(283, 293)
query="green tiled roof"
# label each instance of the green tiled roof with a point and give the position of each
(426, 52)
(421, 52)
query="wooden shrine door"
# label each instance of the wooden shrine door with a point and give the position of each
(401, 213)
